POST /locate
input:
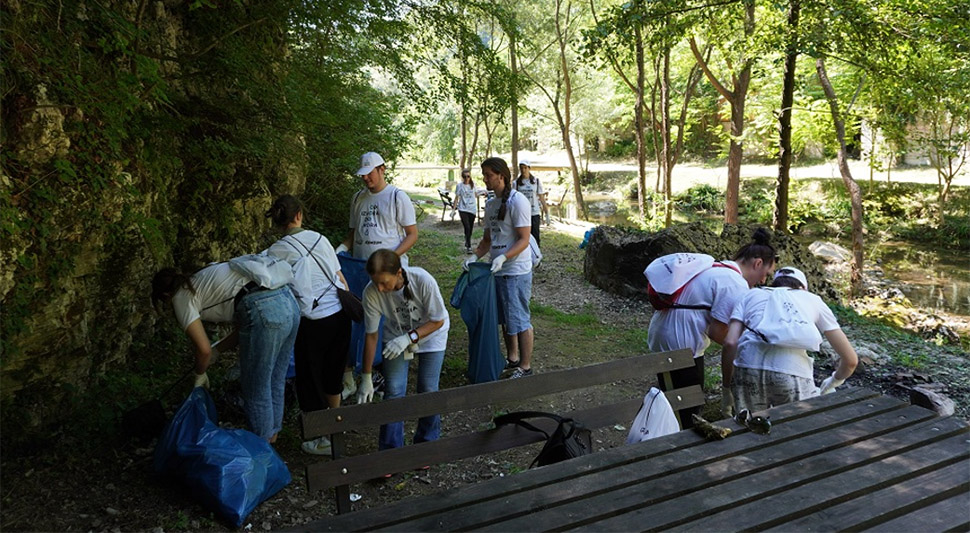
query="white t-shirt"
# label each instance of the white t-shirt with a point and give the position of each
(403, 315)
(672, 329)
(532, 191)
(465, 196)
(756, 354)
(215, 289)
(378, 221)
(294, 246)
(502, 232)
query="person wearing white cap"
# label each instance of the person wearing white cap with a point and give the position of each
(765, 359)
(531, 188)
(381, 217)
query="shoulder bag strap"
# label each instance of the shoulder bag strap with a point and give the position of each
(309, 252)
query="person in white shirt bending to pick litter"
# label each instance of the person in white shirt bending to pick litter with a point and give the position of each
(765, 359)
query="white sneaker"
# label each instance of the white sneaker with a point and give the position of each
(320, 446)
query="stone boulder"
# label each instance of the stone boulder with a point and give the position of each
(616, 257)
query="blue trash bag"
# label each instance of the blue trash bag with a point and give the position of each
(586, 236)
(229, 471)
(474, 295)
(356, 275)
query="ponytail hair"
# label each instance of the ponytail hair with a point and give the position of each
(284, 210)
(166, 282)
(499, 166)
(759, 248)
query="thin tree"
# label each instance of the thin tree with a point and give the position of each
(855, 192)
(736, 97)
(780, 222)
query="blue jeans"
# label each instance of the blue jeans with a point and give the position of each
(396, 385)
(268, 322)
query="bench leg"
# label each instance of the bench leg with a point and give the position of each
(341, 492)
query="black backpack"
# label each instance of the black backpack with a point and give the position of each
(569, 439)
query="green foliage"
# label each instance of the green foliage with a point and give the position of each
(702, 198)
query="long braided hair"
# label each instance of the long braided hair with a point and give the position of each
(499, 166)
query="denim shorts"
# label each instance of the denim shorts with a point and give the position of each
(513, 294)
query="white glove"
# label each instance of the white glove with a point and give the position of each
(410, 351)
(471, 259)
(830, 383)
(202, 380)
(341, 248)
(395, 347)
(365, 392)
(498, 262)
(727, 401)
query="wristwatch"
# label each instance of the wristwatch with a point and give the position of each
(413, 335)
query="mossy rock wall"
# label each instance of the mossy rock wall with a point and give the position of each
(128, 145)
(616, 257)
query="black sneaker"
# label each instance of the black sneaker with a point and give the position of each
(519, 373)
(510, 364)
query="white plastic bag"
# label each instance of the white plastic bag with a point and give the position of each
(268, 271)
(670, 272)
(655, 419)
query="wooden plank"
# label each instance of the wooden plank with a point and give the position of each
(697, 478)
(496, 489)
(778, 496)
(951, 514)
(879, 506)
(359, 468)
(553, 506)
(353, 417)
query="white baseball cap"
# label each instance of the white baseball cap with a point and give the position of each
(525, 162)
(792, 272)
(369, 162)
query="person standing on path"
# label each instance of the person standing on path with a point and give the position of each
(507, 229)
(415, 322)
(466, 203)
(531, 188)
(381, 217)
(715, 292)
(323, 338)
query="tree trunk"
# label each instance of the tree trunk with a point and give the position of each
(513, 64)
(780, 222)
(855, 192)
(565, 118)
(665, 133)
(464, 137)
(655, 125)
(639, 125)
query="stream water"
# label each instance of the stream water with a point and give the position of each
(930, 278)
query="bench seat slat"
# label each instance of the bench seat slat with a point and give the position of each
(355, 417)
(369, 466)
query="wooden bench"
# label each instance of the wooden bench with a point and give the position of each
(342, 471)
(446, 203)
(558, 203)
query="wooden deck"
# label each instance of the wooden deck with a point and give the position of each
(852, 460)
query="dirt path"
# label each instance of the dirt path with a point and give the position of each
(69, 487)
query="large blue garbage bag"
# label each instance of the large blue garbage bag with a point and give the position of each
(356, 274)
(230, 471)
(474, 295)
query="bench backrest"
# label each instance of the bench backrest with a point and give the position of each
(342, 471)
